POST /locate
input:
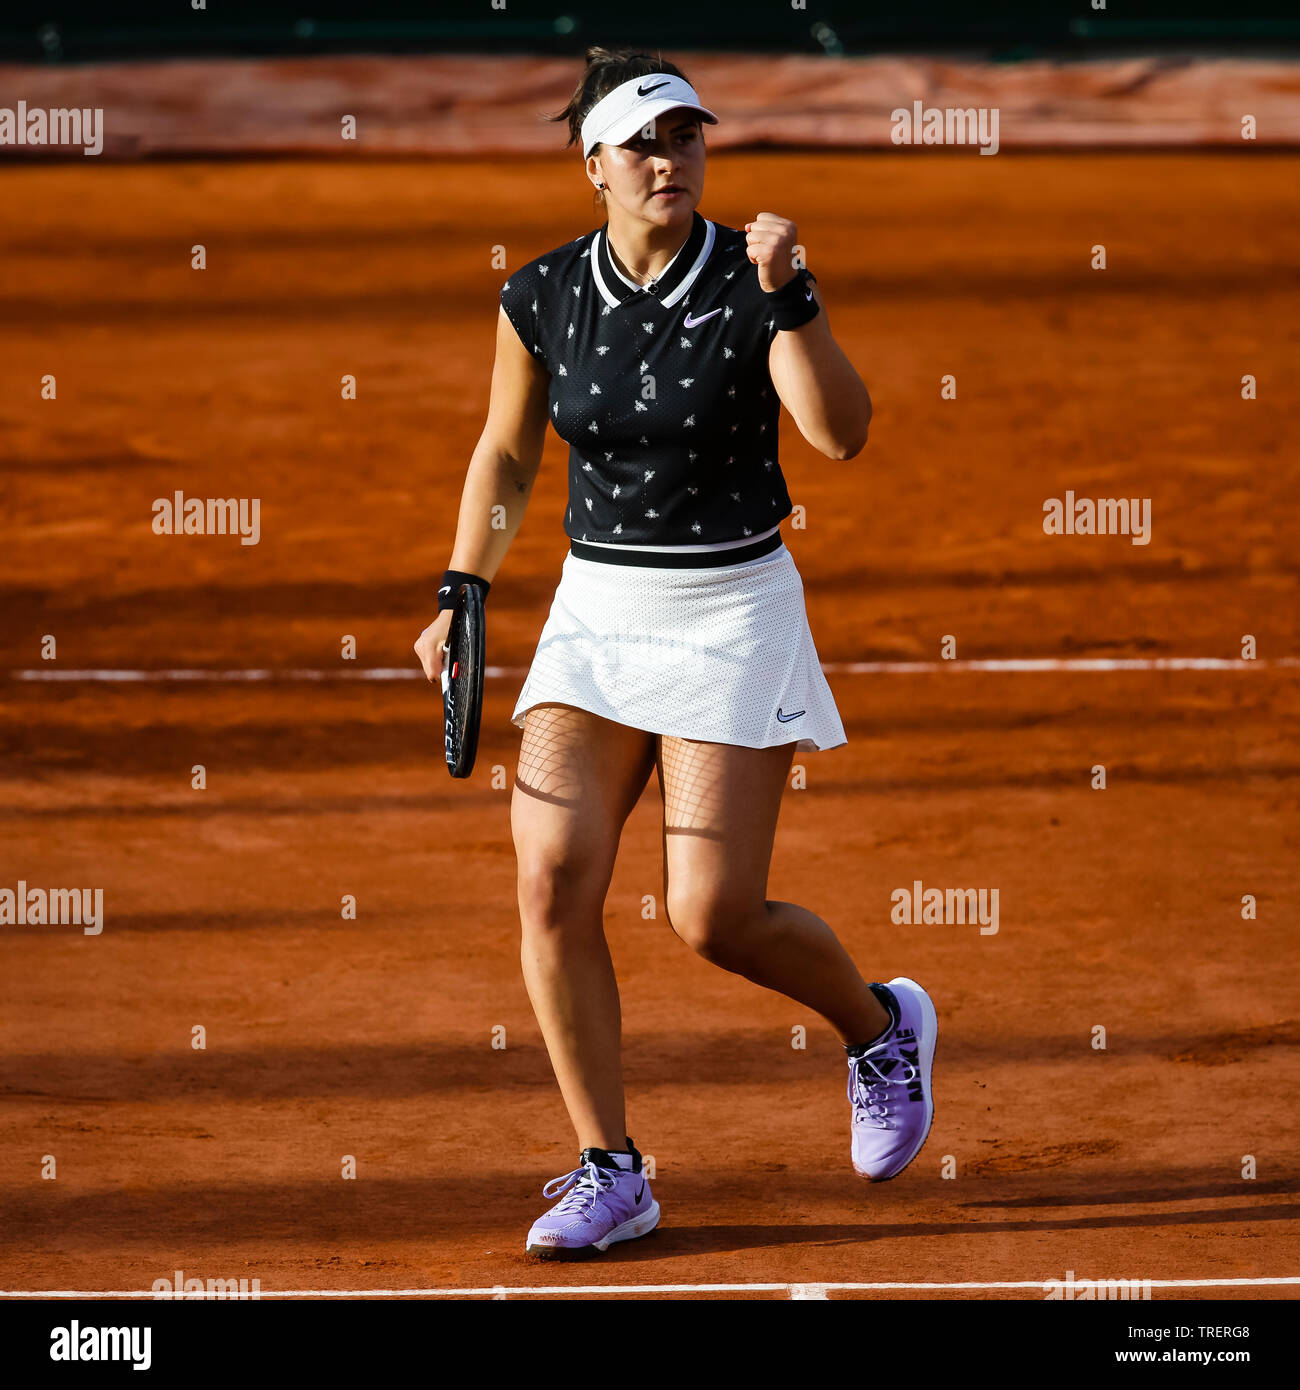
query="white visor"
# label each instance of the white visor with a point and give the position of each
(634, 105)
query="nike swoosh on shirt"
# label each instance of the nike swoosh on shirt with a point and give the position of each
(691, 322)
(786, 718)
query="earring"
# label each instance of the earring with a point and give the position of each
(601, 186)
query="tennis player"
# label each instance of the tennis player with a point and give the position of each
(661, 347)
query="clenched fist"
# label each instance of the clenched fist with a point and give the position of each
(772, 242)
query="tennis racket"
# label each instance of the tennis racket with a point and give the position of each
(462, 680)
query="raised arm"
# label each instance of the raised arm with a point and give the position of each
(817, 383)
(819, 386)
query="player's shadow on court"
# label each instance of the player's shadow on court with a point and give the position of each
(674, 1242)
(1142, 1196)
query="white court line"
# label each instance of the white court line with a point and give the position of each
(502, 1290)
(1047, 663)
(1012, 665)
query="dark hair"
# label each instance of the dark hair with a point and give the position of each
(608, 68)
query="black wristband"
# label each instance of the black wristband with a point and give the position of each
(450, 587)
(794, 304)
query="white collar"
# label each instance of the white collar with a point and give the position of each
(675, 293)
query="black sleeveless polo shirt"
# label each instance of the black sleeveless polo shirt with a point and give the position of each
(663, 395)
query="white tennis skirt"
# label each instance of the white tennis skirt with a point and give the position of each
(720, 654)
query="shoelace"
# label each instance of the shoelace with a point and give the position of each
(584, 1184)
(867, 1105)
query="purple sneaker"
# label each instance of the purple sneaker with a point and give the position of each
(889, 1084)
(604, 1202)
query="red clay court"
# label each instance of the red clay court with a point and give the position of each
(374, 1037)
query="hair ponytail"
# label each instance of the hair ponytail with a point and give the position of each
(606, 69)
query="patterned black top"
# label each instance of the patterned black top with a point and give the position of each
(662, 393)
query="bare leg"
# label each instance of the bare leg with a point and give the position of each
(720, 811)
(579, 778)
